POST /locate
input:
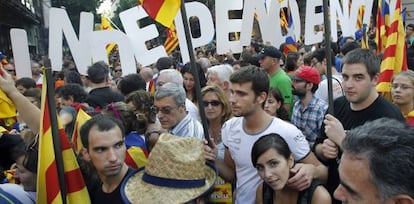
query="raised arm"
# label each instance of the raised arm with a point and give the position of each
(27, 111)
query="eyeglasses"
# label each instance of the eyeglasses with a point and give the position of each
(11, 70)
(402, 86)
(164, 110)
(214, 103)
(118, 70)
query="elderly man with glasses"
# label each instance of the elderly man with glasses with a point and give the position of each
(170, 107)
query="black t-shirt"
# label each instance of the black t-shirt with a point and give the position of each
(98, 196)
(350, 119)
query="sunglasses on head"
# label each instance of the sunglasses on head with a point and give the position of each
(213, 103)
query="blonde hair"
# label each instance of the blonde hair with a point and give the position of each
(222, 98)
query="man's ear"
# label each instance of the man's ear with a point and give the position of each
(261, 98)
(374, 79)
(402, 199)
(226, 85)
(85, 154)
(71, 98)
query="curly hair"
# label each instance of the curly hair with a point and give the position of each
(143, 103)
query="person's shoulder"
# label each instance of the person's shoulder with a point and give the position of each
(15, 193)
(281, 125)
(321, 196)
(233, 121)
(388, 109)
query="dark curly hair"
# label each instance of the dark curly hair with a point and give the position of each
(143, 103)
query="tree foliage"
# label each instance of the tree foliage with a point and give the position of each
(75, 7)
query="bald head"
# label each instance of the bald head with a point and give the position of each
(146, 73)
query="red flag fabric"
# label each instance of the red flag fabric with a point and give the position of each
(48, 188)
(395, 58)
(162, 11)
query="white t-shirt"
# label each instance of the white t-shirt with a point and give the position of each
(337, 90)
(192, 109)
(240, 143)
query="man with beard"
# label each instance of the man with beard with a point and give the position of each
(249, 92)
(104, 147)
(309, 110)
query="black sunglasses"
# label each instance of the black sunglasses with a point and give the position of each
(213, 103)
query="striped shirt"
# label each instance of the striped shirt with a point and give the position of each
(188, 127)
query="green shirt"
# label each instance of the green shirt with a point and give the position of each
(283, 82)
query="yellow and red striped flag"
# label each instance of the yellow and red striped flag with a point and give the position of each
(162, 11)
(395, 58)
(81, 118)
(172, 39)
(48, 187)
(382, 25)
(136, 157)
(106, 25)
(283, 20)
(360, 17)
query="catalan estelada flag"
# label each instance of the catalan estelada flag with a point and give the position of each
(106, 25)
(48, 188)
(395, 58)
(172, 39)
(382, 25)
(81, 118)
(162, 11)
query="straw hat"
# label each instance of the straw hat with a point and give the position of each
(176, 172)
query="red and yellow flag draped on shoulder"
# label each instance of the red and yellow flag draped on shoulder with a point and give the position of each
(48, 188)
(395, 58)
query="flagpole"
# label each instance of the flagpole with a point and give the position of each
(112, 23)
(328, 54)
(55, 129)
(194, 71)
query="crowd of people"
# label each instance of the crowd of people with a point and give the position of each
(271, 137)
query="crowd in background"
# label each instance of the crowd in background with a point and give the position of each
(283, 107)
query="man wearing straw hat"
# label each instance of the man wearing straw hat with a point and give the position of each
(176, 172)
(104, 146)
